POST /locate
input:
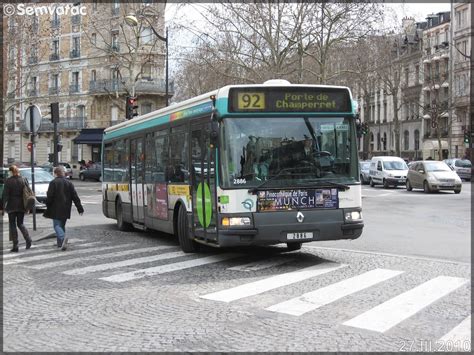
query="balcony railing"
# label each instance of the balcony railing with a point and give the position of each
(53, 90)
(65, 124)
(33, 59)
(75, 53)
(115, 47)
(54, 56)
(32, 92)
(76, 19)
(73, 88)
(113, 85)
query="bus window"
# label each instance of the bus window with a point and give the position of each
(178, 168)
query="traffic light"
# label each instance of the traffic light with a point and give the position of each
(54, 112)
(466, 136)
(59, 146)
(131, 107)
(51, 157)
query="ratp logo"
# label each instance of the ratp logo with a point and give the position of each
(248, 204)
(30, 10)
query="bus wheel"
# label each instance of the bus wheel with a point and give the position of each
(187, 244)
(293, 246)
(121, 225)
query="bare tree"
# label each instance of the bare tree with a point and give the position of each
(130, 49)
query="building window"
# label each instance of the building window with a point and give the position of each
(76, 47)
(146, 35)
(55, 21)
(93, 75)
(114, 114)
(74, 82)
(406, 76)
(115, 41)
(417, 140)
(417, 74)
(54, 85)
(146, 72)
(94, 39)
(115, 7)
(406, 140)
(378, 141)
(145, 108)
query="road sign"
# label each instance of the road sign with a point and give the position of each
(29, 146)
(36, 118)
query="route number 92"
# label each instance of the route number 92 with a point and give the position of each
(251, 101)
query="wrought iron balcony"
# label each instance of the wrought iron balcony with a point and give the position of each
(53, 90)
(54, 56)
(115, 47)
(76, 19)
(74, 88)
(75, 53)
(65, 124)
(32, 92)
(143, 87)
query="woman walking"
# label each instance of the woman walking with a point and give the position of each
(13, 205)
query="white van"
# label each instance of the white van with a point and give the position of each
(387, 171)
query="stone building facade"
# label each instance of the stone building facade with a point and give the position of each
(83, 62)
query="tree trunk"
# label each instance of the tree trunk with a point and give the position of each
(396, 125)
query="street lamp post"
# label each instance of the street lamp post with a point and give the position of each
(133, 21)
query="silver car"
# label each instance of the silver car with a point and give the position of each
(461, 166)
(42, 180)
(364, 171)
(432, 175)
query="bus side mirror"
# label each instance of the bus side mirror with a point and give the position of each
(214, 134)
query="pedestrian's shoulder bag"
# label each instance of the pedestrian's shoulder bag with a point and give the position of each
(29, 198)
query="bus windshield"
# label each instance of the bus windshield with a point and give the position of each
(287, 152)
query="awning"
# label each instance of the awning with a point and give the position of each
(433, 144)
(89, 136)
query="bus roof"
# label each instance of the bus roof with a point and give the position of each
(202, 104)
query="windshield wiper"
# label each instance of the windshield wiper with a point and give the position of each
(330, 184)
(290, 170)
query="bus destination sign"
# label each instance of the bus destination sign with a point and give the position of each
(299, 99)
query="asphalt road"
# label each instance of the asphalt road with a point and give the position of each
(136, 291)
(436, 225)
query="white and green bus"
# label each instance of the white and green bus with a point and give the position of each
(239, 166)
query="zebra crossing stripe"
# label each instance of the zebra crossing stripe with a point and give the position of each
(459, 337)
(262, 264)
(35, 248)
(257, 287)
(94, 257)
(118, 264)
(60, 253)
(169, 267)
(388, 314)
(40, 250)
(323, 296)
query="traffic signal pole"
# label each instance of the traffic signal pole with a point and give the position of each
(33, 136)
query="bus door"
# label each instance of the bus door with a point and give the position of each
(203, 183)
(137, 162)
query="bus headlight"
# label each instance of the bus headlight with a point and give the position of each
(235, 221)
(353, 216)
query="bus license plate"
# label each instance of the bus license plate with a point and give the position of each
(299, 235)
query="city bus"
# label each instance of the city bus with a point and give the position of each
(243, 165)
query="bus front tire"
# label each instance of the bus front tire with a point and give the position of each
(293, 246)
(187, 244)
(121, 225)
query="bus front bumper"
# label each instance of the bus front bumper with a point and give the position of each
(283, 227)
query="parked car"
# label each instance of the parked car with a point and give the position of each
(93, 172)
(42, 180)
(432, 175)
(462, 167)
(364, 171)
(387, 171)
(67, 169)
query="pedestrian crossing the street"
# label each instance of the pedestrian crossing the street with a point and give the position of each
(123, 263)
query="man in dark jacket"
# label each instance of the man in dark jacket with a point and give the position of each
(61, 194)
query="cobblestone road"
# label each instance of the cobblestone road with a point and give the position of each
(114, 291)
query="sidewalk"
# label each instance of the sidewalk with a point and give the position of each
(44, 229)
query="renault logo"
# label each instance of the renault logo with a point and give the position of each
(300, 217)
